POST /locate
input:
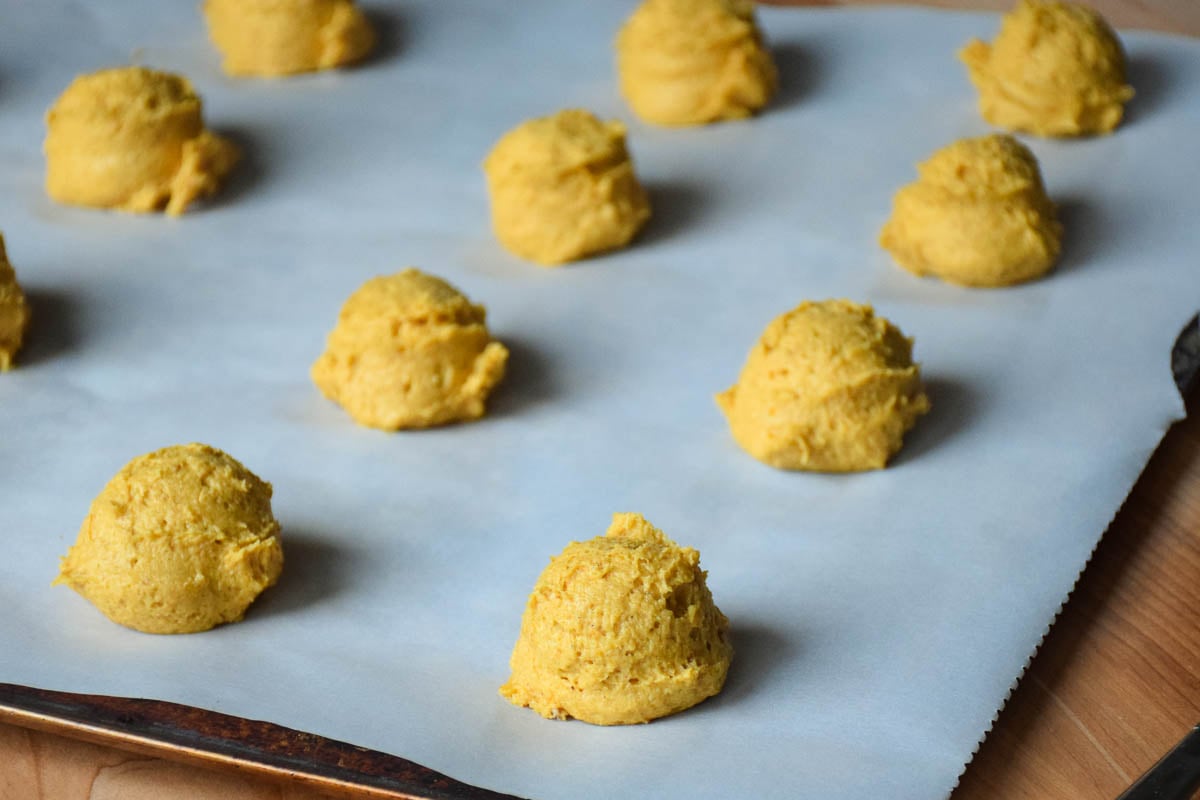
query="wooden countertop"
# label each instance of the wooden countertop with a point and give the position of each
(1115, 684)
(1172, 16)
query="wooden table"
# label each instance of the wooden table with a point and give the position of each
(1116, 682)
(1173, 16)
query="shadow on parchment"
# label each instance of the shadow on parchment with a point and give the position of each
(314, 570)
(677, 210)
(528, 380)
(390, 33)
(759, 654)
(247, 174)
(1151, 80)
(953, 407)
(53, 327)
(799, 74)
(1087, 233)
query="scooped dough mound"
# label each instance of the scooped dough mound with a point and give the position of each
(690, 62)
(562, 187)
(14, 312)
(1056, 69)
(180, 540)
(829, 387)
(410, 351)
(977, 216)
(620, 629)
(133, 139)
(282, 37)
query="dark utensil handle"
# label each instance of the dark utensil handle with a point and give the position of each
(1176, 776)
(1185, 357)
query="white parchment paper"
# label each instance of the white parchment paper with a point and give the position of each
(879, 619)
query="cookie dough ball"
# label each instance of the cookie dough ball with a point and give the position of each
(14, 312)
(620, 629)
(829, 387)
(410, 351)
(132, 139)
(562, 187)
(282, 37)
(1056, 69)
(690, 62)
(977, 216)
(179, 541)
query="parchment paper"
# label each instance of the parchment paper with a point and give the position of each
(879, 619)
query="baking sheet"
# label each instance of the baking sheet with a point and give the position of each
(879, 619)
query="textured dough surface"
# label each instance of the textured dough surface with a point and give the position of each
(1055, 69)
(133, 139)
(620, 629)
(180, 540)
(14, 312)
(978, 215)
(563, 187)
(829, 387)
(281, 37)
(690, 62)
(410, 351)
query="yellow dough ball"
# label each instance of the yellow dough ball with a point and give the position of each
(829, 387)
(977, 216)
(1056, 69)
(132, 139)
(282, 37)
(410, 351)
(179, 541)
(562, 187)
(14, 312)
(620, 629)
(690, 62)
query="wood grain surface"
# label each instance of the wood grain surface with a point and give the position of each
(1117, 681)
(1172, 16)
(1115, 684)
